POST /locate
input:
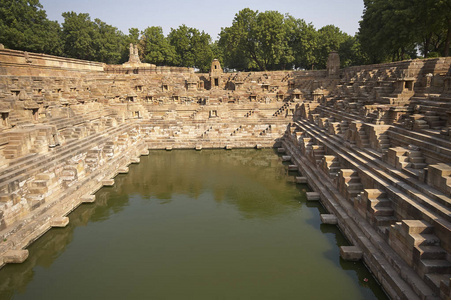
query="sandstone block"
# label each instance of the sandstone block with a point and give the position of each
(88, 199)
(292, 168)
(301, 179)
(329, 219)
(108, 182)
(313, 196)
(15, 256)
(351, 253)
(123, 170)
(59, 222)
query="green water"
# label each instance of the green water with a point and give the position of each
(213, 224)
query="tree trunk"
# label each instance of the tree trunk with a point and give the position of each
(254, 57)
(448, 40)
(427, 42)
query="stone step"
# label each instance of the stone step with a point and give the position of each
(382, 211)
(416, 159)
(352, 179)
(439, 266)
(384, 221)
(355, 186)
(437, 281)
(376, 194)
(424, 239)
(58, 154)
(429, 252)
(403, 159)
(415, 153)
(418, 165)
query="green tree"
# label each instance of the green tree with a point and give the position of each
(396, 29)
(78, 34)
(302, 39)
(330, 39)
(157, 49)
(108, 42)
(256, 41)
(24, 26)
(271, 44)
(238, 43)
(351, 53)
(192, 48)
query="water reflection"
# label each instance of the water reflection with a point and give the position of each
(258, 236)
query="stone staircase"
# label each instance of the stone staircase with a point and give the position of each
(379, 211)
(331, 165)
(39, 188)
(349, 184)
(282, 109)
(416, 242)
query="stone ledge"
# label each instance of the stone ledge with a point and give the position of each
(313, 196)
(123, 170)
(292, 168)
(108, 182)
(144, 152)
(15, 256)
(329, 219)
(135, 160)
(351, 253)
(286, 158)
(301, 179)
(88, 199)
(59, 222)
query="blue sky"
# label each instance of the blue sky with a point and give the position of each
(209, 16)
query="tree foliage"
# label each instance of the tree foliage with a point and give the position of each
(24, 26)
(256, 41)
(389, 30)
(156, 47)
(397, 29)
(91, 40)
(192, 48)
(271, 41)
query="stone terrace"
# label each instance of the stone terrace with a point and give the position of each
(373, 143)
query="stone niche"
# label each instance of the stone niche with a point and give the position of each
(333, 65)
(215, 75)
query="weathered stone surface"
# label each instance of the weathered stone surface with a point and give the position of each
(351, 253)
(59, 222)
(373, 141)
(286, 158)
(292, 167)
(108, 182)
(313, 196)
(15, 256)
(88, 199)
(301, 179)
(329, 219)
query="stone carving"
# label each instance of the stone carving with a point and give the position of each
(134, 55)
